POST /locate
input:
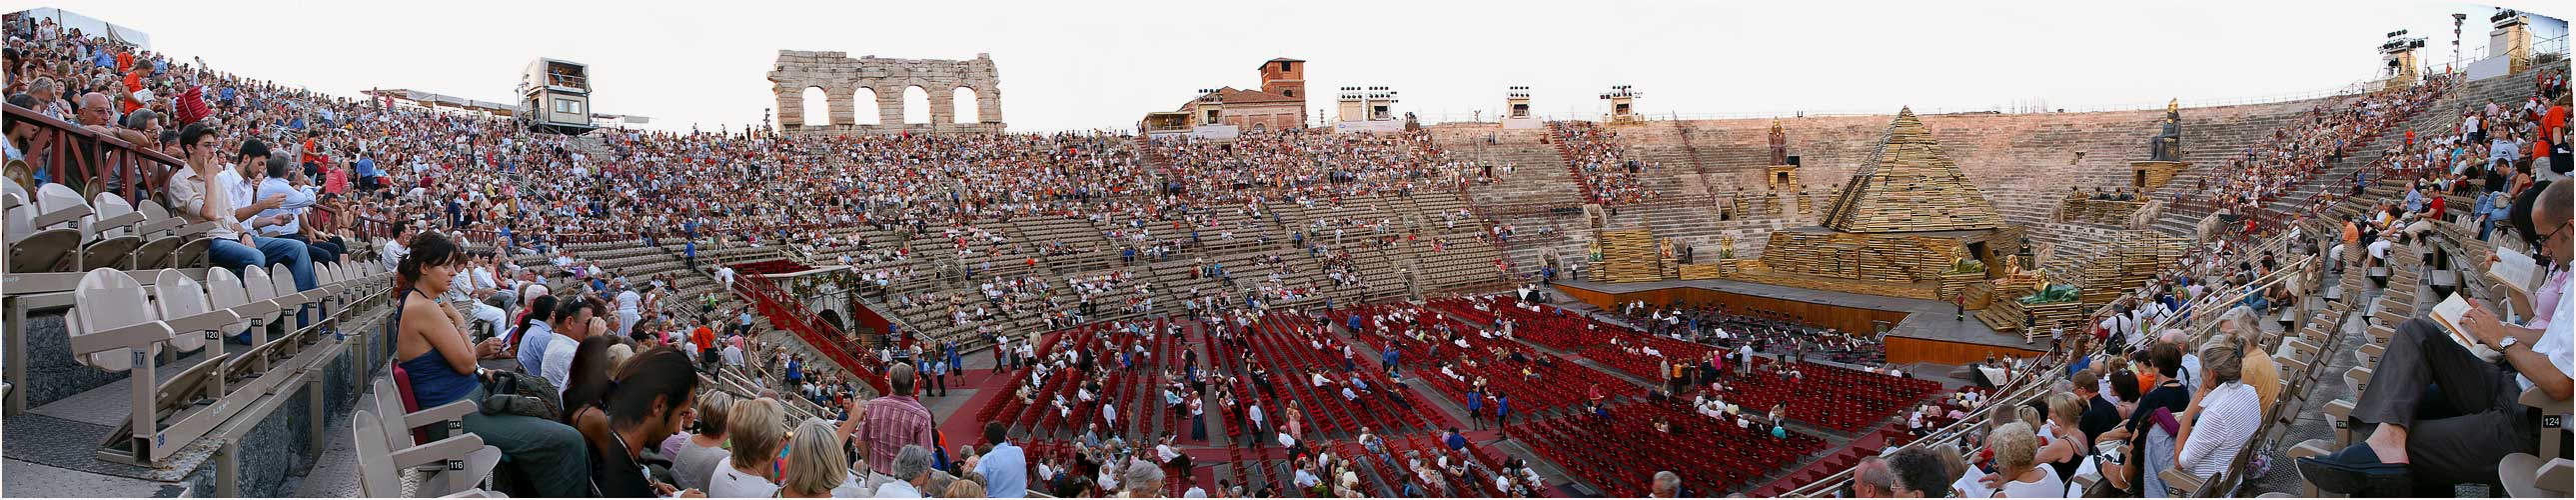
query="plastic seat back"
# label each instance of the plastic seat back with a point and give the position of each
(256, 287)
(59, 203)
(181, 298)
(376, 475)
(224, 291)
(283, 279)
(108, 299)
(114, 215)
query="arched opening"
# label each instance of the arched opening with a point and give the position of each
(818, 107)
(864, 106)
(968, 104)
(833, 317)
(916, 104)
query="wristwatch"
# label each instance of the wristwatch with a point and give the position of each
(2508, 343)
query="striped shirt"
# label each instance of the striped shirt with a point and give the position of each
(892, 422)
(2229, 415)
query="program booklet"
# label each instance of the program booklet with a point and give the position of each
(2514, 269)
(2448, 315)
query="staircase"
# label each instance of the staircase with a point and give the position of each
(2184, 219)
(790, 315)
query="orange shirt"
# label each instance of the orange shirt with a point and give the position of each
(704, 337)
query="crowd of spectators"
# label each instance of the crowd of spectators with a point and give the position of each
(1610, 177)
(2278, 164)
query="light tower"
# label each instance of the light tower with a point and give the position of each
(1517, 100)
(2397, 57)
(1623, 101)
(1211, 108)
(1516, 109)
(2457, 21)
(2510, 39)
(1367, 103)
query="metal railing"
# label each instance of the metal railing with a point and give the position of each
(2025, 384)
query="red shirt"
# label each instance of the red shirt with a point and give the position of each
(312, 152)
(2554, 120)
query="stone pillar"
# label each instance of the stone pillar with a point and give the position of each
(890, 105)
(791, 107)
(943, 104)
(988, 103)
(842, 111)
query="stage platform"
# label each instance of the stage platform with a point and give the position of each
(1917, 330)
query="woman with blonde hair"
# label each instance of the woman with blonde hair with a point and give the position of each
(701, 451)
(2066, 447)
(2017, 470)
(750, 471)
(963, 488)
(815, 462)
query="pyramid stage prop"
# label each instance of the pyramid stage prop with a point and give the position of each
(1896, 229)
(1629, 256)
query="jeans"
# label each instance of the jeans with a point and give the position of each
(322, 251)
(232, 255)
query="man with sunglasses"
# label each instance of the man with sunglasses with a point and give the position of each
(2444, 415)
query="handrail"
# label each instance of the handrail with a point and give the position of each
(791, 316)
(90, 161)
(2022, 387)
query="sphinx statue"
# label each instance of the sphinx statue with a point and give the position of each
(2053, 294)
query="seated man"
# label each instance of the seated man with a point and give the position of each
(202, 193)
(2445, 416)
(288, 215)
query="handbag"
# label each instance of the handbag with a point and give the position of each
(513, 393)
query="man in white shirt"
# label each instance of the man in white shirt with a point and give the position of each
(733, 355)
(2487, 420)
(467, 291)
(395, 249)
(1253, 413)
(557, 363)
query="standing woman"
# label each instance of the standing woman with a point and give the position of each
(440, 364)
(1198, 417)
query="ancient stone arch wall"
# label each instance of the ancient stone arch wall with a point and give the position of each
(841, 77)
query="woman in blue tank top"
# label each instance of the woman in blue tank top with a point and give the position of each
(543, 458)
(431, 338)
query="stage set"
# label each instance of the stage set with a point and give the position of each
(1906, 246)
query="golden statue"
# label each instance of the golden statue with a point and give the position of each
(1779, 143)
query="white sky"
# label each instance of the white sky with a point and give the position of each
(1083, 65)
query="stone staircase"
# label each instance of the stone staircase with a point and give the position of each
(1537, 174)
